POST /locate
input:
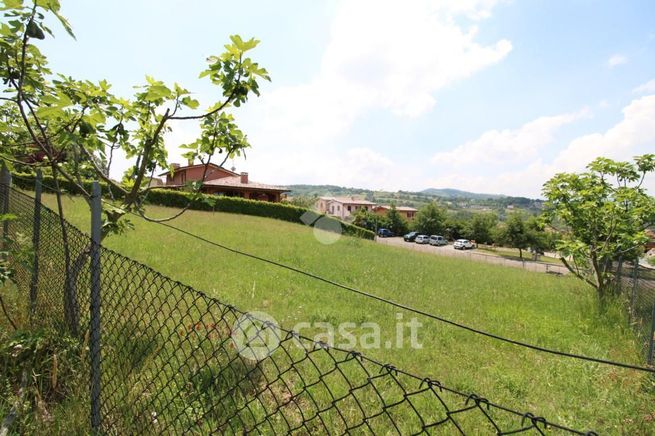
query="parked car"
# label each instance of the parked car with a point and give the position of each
(438, 240)
(410, 236)
(385, 233)
(463, 244)
(422, 239)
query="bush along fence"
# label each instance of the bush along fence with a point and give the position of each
(163, 356)
(637, 285)
(180, 199)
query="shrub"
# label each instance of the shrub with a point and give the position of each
(47, 368)
(179, 199)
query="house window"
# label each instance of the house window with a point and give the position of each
(183, 177)
(349, 209)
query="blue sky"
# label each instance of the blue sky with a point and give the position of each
(483, 95)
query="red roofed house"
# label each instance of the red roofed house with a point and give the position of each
(221, 181)
(651, 243)
(407, 212)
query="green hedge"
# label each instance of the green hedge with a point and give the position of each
(180, 199)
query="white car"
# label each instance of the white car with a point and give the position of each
(463, 244)
(422, 239)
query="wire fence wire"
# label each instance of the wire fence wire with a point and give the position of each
(170, 364)
(637, 284)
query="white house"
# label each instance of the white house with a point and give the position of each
(342, 207)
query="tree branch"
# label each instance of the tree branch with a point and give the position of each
(198, 117)
(130, 199)
(101, 174)
(576, 272)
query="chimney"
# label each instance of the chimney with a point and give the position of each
(175, 165)
(244, 178)
(189, 162)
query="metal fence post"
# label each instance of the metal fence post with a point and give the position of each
(651, 347)
(5, 185)
(36, 238)
(618, 277)
(633, 297)
(94, 327)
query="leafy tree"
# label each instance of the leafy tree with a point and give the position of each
(72, 127)
(369, 220)
(605, 211)
(455, 228)
(397, 224)
(514, 233)
(538, 239)
(305, 201)
(430, 219)
(480, 227)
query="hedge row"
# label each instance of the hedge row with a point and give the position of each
(179, 199)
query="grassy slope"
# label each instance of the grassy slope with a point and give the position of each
(557, 312)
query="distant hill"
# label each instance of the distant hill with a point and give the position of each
(454, 198)
(334, 190)
(456, 193)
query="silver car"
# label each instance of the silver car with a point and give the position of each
(438, 240)
(422, 239)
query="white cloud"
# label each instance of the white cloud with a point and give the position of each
(619, 142)
(634, 134)
(616, 59)
(356, 167)
(646, 88)
(507, 146)
(381, 55)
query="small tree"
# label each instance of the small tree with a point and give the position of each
(454, 228)
(305, 201)
(368, 220)
(538, 239)
(397, 224)
(514, 233)
(430, 219)
(480, 227)
(605, 212)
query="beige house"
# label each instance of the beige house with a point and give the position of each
(407, 212)
(342, 207)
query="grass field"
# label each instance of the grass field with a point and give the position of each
(556, 312)
(513, 254)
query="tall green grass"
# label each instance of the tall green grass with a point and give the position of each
(555, 312)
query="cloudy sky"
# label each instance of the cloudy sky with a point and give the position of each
(482, 95)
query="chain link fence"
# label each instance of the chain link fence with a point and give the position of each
(168, 361)
(637, 283)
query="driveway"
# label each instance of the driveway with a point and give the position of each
(448, 250)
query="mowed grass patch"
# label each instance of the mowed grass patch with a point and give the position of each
(555, 312)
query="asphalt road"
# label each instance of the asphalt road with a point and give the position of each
(448, 250)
